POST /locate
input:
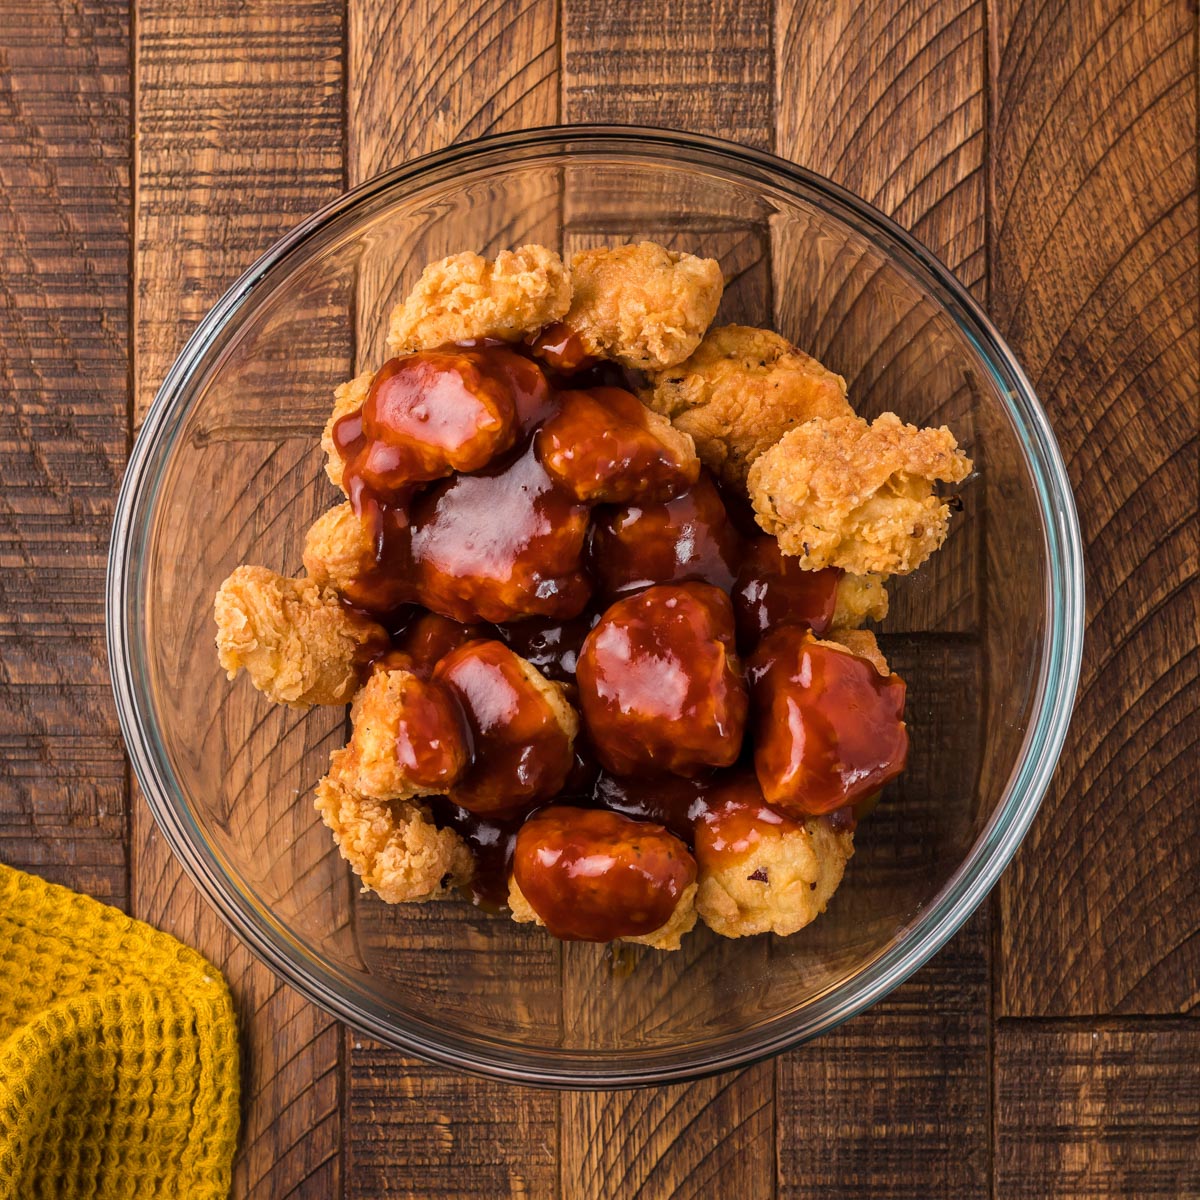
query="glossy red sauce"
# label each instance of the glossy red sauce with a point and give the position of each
(687, 538)
(829, 728)
(772, 590)
(594, 876)
(503, 543)
(425, 416)
(734, 820)
(659, 683)
(475, 537)
(427, 639)
(561, 349)
(522, 752)
(431, 737)
(600, 446)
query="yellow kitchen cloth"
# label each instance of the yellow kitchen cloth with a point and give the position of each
(118, 1054)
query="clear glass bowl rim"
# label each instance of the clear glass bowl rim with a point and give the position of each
(963, 892)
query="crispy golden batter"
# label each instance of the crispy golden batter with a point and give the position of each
(782, 884)
(860, 598)
(844, 493)
(297, 643)
(642, 304)
(380, 721)
(666, 937)
(392, 845)
(740, 392)
(339, 548)
(348, 397)
(860, 642)
(466, 296)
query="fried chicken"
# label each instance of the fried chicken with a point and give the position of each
(339, 548)
(740, 392)
(408, 738)
(293, 637)
(839, 492)
(465, 297)
(392, 846)
(860, 598)
(783, 882)
(861, 643)
(666, 937)
(641, 304)
(348, 398)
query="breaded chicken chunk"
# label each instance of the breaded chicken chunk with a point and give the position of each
(465, 296)
(408, 738)
(666, 937)
(740, 392)
(339, 548)
(298, 644)
(641, 304)
(392, 846)
(859, 598)
(861, 643)
(782, 882)
(348, 398)
(841, 492)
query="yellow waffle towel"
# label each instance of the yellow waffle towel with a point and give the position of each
(118, 1054)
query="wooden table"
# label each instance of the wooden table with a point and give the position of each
(1046, 151)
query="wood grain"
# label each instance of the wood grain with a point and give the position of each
(239, 126)
(896, 1099)
(895, 1102)
(1094, 282)
(64, 224)
(421, 1133)
(700, 65)
(1092, 1111)
(468, 68)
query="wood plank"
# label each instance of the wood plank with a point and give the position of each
(895, 1102)
(1090, 1110)
(1094, 282)
(889, 101)
(696, 65)
(64, 223)
(239, 124)
(421, 1133)
(467, 68)
(702, 66)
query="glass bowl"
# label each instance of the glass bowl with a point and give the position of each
(227, 470)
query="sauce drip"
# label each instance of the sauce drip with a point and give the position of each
(830, 727)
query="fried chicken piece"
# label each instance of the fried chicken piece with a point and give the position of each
(393, 846)
(465, 297)
(844, 493)
(666, 937)
(861, 643)
(860, 598)
(740, 392)
(408, 739)
(782, 882)
(348, 397)
(641, 304)
(297, 643)
(339, 548)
